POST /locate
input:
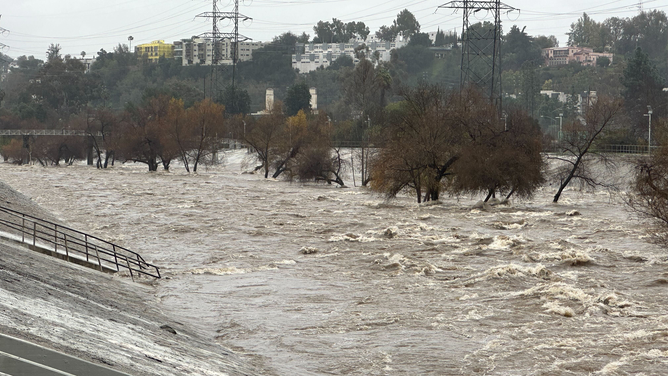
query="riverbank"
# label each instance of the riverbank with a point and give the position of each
(101, 318)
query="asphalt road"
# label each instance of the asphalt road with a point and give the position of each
(21, 358)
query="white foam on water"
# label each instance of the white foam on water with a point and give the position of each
(217, 271)
(506, 242)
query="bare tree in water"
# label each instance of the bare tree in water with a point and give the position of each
(577, 149)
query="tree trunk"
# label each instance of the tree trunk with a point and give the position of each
(152, 164)
(108, 154)
(565, 182)
(510, 194)
(489, 195)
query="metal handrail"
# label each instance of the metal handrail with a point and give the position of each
(75, 244)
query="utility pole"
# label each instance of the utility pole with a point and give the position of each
(481, 47)
(649, 136)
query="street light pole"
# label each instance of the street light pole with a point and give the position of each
(649, 136)
(505, 120)
(561, 121)
(130, 39)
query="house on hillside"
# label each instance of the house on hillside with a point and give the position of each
(565, 55)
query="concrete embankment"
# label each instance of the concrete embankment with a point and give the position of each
(104, 319)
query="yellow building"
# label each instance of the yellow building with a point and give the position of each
(155, 49)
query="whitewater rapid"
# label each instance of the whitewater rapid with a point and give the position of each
(312, 279)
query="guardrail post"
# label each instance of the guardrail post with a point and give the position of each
(86, 245)
(55, 238)
(67, 252)
(99, 261)
(115, 257)
(129, 268)
(34, 233)
(23, 227)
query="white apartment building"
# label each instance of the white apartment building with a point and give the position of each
(201, 51)
(582, 98)
(318, 55)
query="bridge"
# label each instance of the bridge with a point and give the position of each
(48, 132)
(225, 143)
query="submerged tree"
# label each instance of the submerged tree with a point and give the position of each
(264, 135)
(502, 155)
(578, 157)
(649, 192)
(419, 147)
(458, 140)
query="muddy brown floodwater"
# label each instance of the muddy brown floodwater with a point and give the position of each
(318, 280)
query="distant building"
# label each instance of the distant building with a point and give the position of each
(565, 55)
(87, 62)
(200, 51)
(318, 55)
(582, 98)
(441, 52)
(155, 50)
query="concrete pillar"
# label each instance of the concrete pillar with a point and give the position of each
(269, 102)
(314, 99)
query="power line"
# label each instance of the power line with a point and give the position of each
(3, 31)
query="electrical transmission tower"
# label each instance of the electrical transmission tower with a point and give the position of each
(481, 46)
(216, 36)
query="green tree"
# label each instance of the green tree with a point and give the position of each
(341, 62)
(406, 24)
(420, 39)
(649, 31)
(61, 85)
(587, 33)
(272, 64)
(519, 48)
(530, 87)
(298, 98)
(603, 62)
(440, 38)
(236, 100)
(387, 33)
(543, 41)
(643, 86)
(339, 32)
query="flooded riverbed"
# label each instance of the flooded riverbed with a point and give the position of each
(318, 280)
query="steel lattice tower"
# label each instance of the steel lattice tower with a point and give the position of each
(481, 46)
(217, 37)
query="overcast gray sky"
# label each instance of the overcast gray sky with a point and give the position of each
(89, 25)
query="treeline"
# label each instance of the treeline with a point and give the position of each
(157, 132)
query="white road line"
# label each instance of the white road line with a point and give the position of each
(35, 364)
